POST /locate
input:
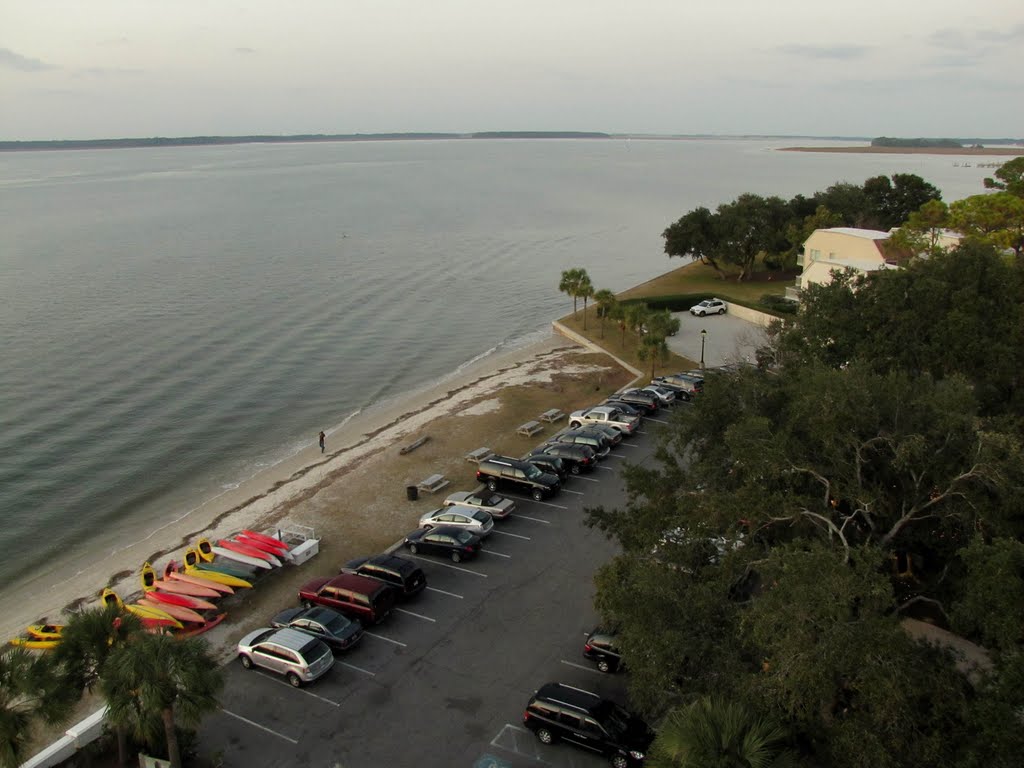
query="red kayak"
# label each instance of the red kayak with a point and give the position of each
(186, 601)
(193, 631)
(276, 543)
(173, 573)
(150, 581)
(179, 612)
(246, 549)
(263, 546)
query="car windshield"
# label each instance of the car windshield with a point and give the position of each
(490, 501)
(464, 537)
(532, 472)
(337, 625)
(614, 718)
(480, 516)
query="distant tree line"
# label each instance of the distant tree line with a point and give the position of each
(886, 141)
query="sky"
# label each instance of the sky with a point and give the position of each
(85, 69)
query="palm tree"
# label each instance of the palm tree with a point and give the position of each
(724, 734)
(31, 689)
(606, 304)
(585, 289)
(88, 639)
(634, 316)
(653, 348)
(154, 682)
(570, 284)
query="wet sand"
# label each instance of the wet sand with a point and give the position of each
(310, 488)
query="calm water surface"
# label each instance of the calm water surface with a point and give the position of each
(173, 320)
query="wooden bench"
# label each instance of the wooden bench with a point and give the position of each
(433, 484)
(479, 455)
(552, 416)
(530, 428)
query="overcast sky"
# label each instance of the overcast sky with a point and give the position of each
(113, 68)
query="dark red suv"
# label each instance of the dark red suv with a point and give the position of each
(357, 597)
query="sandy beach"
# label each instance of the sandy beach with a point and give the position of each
(352, 495)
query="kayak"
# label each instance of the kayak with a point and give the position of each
(193, 631)
(150, 581)
(232, 575)
(179, 612)
(152, 618)
(187, 601)
(247, 549)
(45, 631)
(232, 555)
(245, 539)
(276, 543)
(34, 643)
(173, 573)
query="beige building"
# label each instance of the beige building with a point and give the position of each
(836, 249)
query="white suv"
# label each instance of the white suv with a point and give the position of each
(709, 307)
(300, 657)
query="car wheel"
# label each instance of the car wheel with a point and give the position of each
(619, 761)
(701, 313)
(492, 485)
(294, 680)
(575, 469)
(575, 424)
(537, 494)
(721, 311)
(685, 396)
(413, 549)
(246, 661)
(456, 557)
(307, 603)
(604, 666)
(544, 736)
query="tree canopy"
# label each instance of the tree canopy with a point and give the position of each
(794, 520)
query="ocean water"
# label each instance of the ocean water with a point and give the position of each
(174, 320)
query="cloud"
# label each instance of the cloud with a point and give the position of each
(11, 60)
(101, 72)
(245, 50)
(1011, 35)
(837, 52)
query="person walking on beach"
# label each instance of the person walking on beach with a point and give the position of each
(323, 440)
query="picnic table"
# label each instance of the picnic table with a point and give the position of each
(530, 428)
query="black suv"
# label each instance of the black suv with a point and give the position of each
(595, 440)
(559, 711)
(405, 576)
(648, 401)
(547, 463)
(601, 649)
(498, 471)
(579, 458)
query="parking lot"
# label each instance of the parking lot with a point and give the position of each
(444, 680)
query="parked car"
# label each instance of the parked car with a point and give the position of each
(502, 471)
(547, 463)
(578, 458)
(644, 400)
(473, 520)
(627, 408)
(600, 648)
(666, 395)
(605, 415)
(559, 712)
(456, 543)
(496, 506)
(300, 657)
(357, 597)
(578, 437)
(709, 307)
(610, 433)
(339, 632)
(686, 386)
(404, 576)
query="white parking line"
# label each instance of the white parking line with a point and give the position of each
(608, 469)
(549, 504)
(581, 666)
(587, 479)
(385, 639)
(498, 554)
(513, 535)
(578, 493)
(450, 594)
(640, 432)
(657, 421)
(534, 519)
(357, 669)
(446, 565)
(628, 445)
(299, 690)
(417, 615)
(261, 727)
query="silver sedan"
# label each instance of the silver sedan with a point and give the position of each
(496, 506)
(473, 520)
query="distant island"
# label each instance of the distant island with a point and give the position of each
(923, 146)
(194, 141)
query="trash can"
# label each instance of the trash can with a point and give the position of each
(412, 492)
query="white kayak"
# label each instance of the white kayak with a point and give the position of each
(238, 557)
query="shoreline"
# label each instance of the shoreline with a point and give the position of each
(868, 150)
(270, 495)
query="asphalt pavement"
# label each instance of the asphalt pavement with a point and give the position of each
(445, 679)
(728, 339)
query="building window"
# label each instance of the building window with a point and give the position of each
(815, 254)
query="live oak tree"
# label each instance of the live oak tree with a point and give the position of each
(1009, 177)
(995, 219)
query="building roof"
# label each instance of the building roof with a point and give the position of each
(868, 234)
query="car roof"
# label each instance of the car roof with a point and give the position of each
(567, 694)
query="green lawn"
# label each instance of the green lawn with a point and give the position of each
(699, 278)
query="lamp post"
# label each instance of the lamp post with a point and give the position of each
(703, 336)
